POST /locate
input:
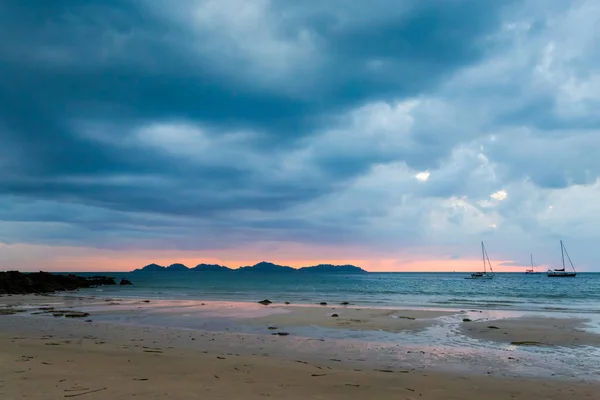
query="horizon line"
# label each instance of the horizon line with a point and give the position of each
(263, 272)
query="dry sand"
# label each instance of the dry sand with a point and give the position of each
(53, 368)
(349, 317)
(533, 331)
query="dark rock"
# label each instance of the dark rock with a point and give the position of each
(287, 302)
(282, 333)
(466, 320)
(493, 327)
(345, 303)
(14, 282)
(265, 302)
(323, 303)
(95, 280)
(272, 328)
(77, 314)
(10, 311)
(526, 343)
(125, 282)
(334, 315)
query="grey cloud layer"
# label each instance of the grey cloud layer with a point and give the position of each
(136, 123)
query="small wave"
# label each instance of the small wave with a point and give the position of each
(479, 301)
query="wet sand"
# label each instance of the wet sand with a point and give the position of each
(348, 317)
(46, 357)
(532, 331)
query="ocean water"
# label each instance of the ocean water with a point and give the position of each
(507, 291)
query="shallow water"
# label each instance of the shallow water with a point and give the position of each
(507, 291)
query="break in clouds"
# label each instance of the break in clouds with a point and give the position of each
(388, 126)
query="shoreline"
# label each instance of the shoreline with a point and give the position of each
(305, 299)
(383, 338)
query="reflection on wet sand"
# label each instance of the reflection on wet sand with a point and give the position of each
(383, 338)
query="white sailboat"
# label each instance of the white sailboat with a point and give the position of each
(531, 271)
(561, 272)
(486, 263)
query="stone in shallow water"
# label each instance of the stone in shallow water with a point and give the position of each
(10, 311)
(77, 315)
(526, 343)
(265, 302)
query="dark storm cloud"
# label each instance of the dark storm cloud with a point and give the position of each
(116, 61)
(200, 124)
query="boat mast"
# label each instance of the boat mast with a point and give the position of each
(568, 258)
(483, 256)
(562, 252)
(489, 263)
(531, 256)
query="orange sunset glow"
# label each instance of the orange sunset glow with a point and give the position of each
(67, 259)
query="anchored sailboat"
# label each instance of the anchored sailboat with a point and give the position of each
(562, 273)
(486, 262)
(532, 270)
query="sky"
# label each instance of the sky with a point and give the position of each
(394, 135)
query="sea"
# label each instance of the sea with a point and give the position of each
(507, 291)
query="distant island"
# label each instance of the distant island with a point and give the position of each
(261, 267)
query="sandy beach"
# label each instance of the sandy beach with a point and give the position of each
(46, 357)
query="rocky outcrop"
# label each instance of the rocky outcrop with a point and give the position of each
(76, 314)
(125, 282)
(14, 282)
